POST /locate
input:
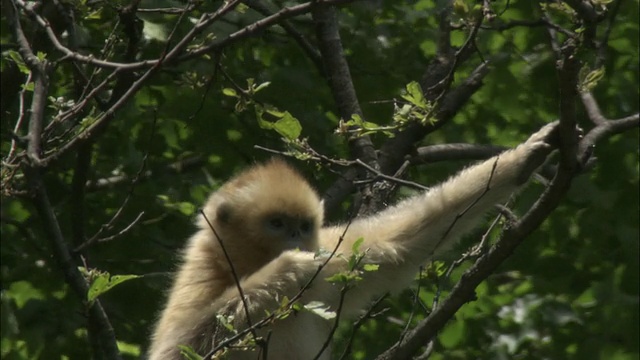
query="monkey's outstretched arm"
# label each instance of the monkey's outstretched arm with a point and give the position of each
(407, 235)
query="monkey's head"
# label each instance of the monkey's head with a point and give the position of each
(264, 211)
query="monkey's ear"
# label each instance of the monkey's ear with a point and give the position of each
(223, 213)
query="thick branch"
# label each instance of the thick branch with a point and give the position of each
(70, 270)
(447, 152)
(338, 75)
(339, 78)
(567, 70)
(608, 128)
(591, 106)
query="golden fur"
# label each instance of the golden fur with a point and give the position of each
(252, 209)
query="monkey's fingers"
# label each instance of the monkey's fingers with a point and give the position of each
(537, 148)
(546, 137)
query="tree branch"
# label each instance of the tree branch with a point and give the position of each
(339, 78)
(447, 152)
(39, 71)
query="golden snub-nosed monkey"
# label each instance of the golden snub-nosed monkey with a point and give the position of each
(269, 222)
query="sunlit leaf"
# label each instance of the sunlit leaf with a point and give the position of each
(320, 309)
(104, 282)
(288, 126)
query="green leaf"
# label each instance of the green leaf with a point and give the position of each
(188, 353)
(460, 8)
(186, 208)
(288, 126)
(337, 278)
(264, 124)
(264, 85)
(15, 56)
(104, 282)
(94, 15)
(272, 110)
(226, 320)
(155, 31)
(414, 94)
(370, 267)
(355, 119)
(353, 261)
(129, 349)
(589, 78)
(23, 291)
(229, 92)
(356, 245)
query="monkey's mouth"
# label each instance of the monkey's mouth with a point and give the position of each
(294, 245)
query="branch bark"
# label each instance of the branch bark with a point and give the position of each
(32, 169)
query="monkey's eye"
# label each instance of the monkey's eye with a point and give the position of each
(306, 226)
(276, 223)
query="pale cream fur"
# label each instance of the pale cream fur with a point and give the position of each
(399, 239)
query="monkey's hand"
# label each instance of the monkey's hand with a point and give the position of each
(297, 265)
(306, 272)
(536, 149)
(264, 290)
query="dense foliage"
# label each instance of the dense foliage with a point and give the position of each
(114, 131)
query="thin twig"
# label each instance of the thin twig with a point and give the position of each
(234, 273)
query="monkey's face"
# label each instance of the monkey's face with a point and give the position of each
(262, 230)
(265, 211)
(290, 232)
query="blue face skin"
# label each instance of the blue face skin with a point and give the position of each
(295, 232)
